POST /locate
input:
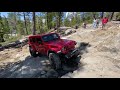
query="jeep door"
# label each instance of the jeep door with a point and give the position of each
(40, 46)
(32, 43)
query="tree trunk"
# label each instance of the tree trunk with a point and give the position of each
(34, 26)
(57, 23)
(93, 14)
(28, 25)
(7, 24)
(111, 16)
(83, 18)
(25, 23)
(15, 22)
(59, 19)
(102, 15)
(1, 37)
(1, 30)
(47, 20)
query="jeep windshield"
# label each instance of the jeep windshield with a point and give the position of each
(50, 37)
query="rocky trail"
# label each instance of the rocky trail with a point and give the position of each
(100, 57)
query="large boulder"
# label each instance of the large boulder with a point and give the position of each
(52, 74)
(68, 31)
(73, 30)
(64, 28)
(21, 42)
(17, 42)
(1, 48)
(76, 27)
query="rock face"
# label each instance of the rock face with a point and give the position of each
(1, 47)
(43, 72)
(52, 74)
(69, 31)
(114, 16)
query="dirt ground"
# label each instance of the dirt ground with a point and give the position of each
(100, 57)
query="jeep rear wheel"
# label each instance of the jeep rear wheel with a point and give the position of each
(32, 52)
(55, 61)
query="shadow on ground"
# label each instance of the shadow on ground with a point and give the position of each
(39, 67)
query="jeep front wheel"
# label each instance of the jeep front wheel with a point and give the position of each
(55, 61)
(32, 52)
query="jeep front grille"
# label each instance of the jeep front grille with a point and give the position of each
(69, 48)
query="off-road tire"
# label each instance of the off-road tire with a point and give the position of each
(55, 61)
(39, 54)
(75, 60)
(33, 53)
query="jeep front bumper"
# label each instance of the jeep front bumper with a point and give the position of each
(72, 53)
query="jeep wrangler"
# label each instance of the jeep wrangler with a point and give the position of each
(54, 47)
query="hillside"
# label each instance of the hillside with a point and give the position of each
(100, 58)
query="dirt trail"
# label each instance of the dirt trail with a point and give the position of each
(100, 58)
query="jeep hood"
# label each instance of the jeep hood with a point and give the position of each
(61, 42)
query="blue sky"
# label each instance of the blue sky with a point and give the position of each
(4, 14)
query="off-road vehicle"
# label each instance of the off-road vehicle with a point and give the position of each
(54, 47)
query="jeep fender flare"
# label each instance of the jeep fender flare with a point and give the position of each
(32, 47)
(50, 51)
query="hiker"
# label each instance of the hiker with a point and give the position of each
(104, 22)
(95, 23)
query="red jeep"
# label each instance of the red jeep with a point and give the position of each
(53, 46)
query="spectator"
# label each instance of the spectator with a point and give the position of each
(104, 22)
(95, 23)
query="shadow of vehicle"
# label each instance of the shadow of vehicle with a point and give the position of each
(40, 67)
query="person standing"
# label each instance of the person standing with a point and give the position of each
(95, 23)
(104, 22)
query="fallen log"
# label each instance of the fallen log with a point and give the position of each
(16, 44)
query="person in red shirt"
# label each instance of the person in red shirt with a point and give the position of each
(104, 22)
